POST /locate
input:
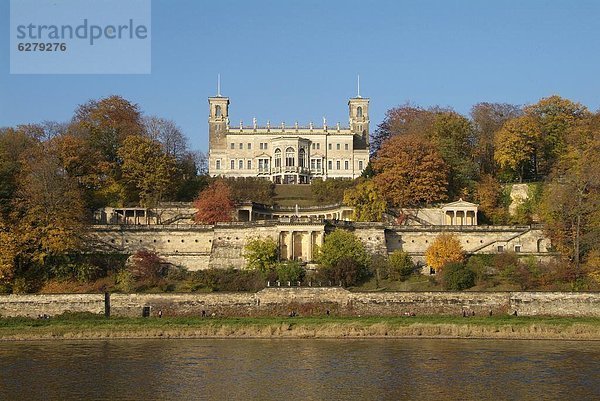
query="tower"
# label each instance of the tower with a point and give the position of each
(218, 120)
(358, 109)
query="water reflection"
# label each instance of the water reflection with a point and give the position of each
(299, 369)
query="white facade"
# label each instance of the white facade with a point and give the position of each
(288, 154)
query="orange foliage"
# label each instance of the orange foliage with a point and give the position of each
(214, 204)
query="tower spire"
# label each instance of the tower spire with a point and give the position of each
(218, 84)
(358, 85)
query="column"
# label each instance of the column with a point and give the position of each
(454, 217)
(309, 253)
(290, 245)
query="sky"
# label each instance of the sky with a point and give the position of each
(291, 60)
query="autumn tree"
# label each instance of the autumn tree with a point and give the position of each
(410, 171)
(168, 134)
(401, 265)
(571, 202)
(516, 146)
(446, 248)
(368, 203)
(8, 251)
(214, 204)
(13, 143)
(554, 117)
(261, 254)
(487, 119)
(147, 168)
(48, 211)
(489, 193)
(343, 258)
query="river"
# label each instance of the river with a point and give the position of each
(248, 369)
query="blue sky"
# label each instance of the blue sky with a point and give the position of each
(298, 60)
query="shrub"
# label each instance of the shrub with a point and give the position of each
(457, 277)
(124, 281)
(341, 245)
(229, 280)
(401, 265)
(346, 271)
(289, 271)
(146, 265)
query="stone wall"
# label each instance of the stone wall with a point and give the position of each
(309, 301)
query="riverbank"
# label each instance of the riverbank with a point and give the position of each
(87, 326)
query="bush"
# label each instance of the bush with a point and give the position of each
(457, 277)
(146, 265)
(289, 271)
(229, 280)
(346, 271)
(341, 245)
(401, 265)
(261, 254)
(124, 281)
(331, 190)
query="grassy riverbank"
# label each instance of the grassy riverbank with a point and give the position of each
(500, 327)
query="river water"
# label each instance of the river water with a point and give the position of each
(248, 369)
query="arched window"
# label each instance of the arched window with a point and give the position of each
(289, 157)
(359, 111)
(277, 157)
(302, 157)
(233, 164)
(218, 112)
(241, 164)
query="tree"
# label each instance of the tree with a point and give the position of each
(368, 204)
(516, 146)
(331, 190)
(13, 143)
(401, 265)
(168, 134)
(8, 252)
(457, 277)
(446, 248)
(453, 136)
(554, 117)
(289, 271)
(571, 201)
(48, 211)
(490, 193)
(145, 265)
(214, 204)
(410, 171)
(261, 254)
(147, 169)
(339, 245)
(487, 119)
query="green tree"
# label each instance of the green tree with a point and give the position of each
(339, 245)
(147, 169)
(289, 271)
(457, 277)
(401, 265)
(261, 254)
(410, 171)
(368, 204)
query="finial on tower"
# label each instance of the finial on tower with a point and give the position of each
(218, 84)
(358, 85)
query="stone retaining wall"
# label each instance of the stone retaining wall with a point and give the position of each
(309, 301)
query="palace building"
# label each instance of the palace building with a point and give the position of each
(288, 154)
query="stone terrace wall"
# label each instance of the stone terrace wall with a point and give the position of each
(309, 301)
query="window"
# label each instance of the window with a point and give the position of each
(346, 146)
(233, 164)
(313, 164)
(249, 164)
(302, 157)
(249, 146)
(261, 146)
(338, 165)
(359, 112)
(346, 165)
(232, 146)
(500, 248)
(314, 146)
(241, 146)
(265, 145)
(263, 165)
(218, 165)
(218, 111)
(330, 147)
(360, 164)
(241, 164)
(318, 146)
(277, 158)
(517, 248)
(330, 165)
(337, 146)
(289, 157)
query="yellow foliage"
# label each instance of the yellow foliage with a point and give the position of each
(445, 249)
